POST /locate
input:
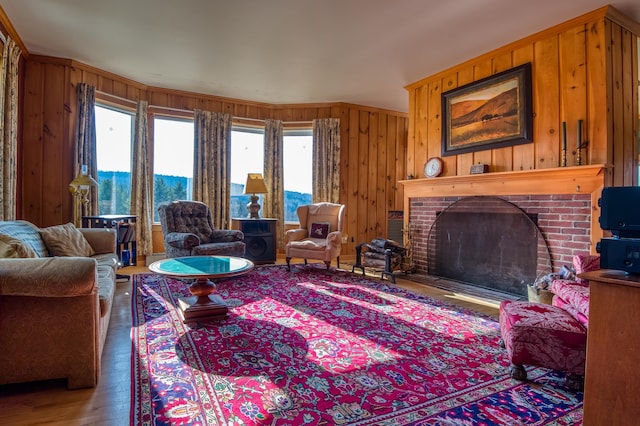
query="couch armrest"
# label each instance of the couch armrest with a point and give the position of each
(48, 277)
(226, 235)
(182, 240)
(102, 240)
(296, 234)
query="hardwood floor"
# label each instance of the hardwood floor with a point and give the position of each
(51, 403)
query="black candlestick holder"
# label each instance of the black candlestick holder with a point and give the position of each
(579, 145)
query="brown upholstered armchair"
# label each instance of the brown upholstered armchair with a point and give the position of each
(188, 231)
(320, 233)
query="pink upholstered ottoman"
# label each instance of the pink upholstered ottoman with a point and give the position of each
(545, 336)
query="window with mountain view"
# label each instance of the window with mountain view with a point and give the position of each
(247, 156)
(113, 150)
(172, 161)
(298, 154)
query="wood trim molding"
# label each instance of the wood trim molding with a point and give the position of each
(11, 31)
(562, 180)
(623, 20)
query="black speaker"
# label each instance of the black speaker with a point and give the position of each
(260, 248)
(259, 238)
(620, 210)
(620, 214)
(622, 254)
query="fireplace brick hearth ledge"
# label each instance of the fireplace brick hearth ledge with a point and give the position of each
(588, 179)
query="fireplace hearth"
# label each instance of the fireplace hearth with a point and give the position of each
(487, 242)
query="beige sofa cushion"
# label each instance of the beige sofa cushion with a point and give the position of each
(106, 288)
(66, 240)
(14, 248)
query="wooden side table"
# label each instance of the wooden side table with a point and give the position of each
(125, 226)
(612, 377)
(259, 238)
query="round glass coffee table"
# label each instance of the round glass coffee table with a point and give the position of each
(205, 305)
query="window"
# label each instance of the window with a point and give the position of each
(113, 150)
(172, 161)
(298, 154)
(247, 156)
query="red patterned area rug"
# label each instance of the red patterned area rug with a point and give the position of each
(316, 347)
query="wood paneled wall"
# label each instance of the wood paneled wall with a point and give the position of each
(373, 142)
(586, 68)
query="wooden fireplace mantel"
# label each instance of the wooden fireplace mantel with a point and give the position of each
(562, 180)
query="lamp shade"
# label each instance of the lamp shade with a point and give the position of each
(83, 180)
(255, 184)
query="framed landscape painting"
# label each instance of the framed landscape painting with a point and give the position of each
(490, 113)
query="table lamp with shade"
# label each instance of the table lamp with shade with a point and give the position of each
(79, 188)
(255, 185)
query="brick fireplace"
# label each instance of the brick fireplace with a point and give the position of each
(563, 199)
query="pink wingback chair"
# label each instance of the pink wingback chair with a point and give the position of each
(319, 235)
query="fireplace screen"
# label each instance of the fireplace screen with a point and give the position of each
(490, 243)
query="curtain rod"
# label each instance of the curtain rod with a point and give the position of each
(108, 96)
(260, 120)
(257, 120)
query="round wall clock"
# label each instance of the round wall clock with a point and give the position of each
(433, 167)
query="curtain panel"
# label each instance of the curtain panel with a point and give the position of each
(326, 160)
(141, 178)
(273, 205)
(9, 129)
(85, 150)
(212, 164)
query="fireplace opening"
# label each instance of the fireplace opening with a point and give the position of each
(488, 242)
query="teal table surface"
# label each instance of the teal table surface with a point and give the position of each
(202, 266)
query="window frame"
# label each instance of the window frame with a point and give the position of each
(298, 130)
(168, 116)
(242, 126)
(122, 108)
(128, 107)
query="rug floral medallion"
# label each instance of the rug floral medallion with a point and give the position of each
(317, 347)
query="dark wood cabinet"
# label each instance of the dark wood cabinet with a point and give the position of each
(612, 377)
(259, 238)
